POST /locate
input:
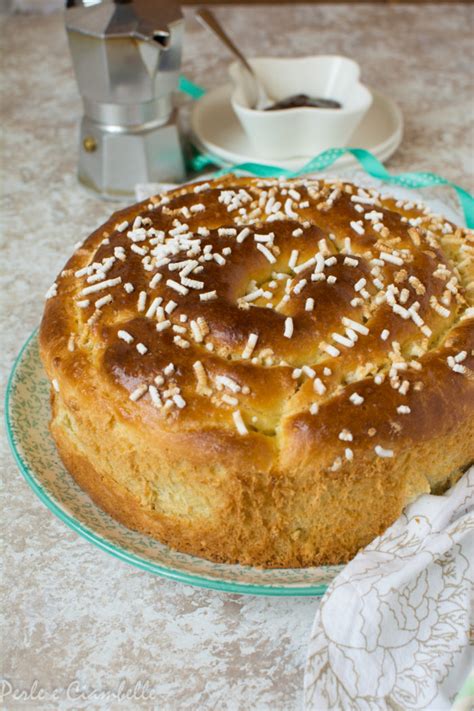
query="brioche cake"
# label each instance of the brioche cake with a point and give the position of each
(264, 371)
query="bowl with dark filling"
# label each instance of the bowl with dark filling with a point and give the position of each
(315, 103)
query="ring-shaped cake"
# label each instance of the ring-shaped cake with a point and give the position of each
(264, 371)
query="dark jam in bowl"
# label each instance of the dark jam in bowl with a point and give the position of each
(303, 100)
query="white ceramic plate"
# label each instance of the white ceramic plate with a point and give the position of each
(27, 415)
(216, 130)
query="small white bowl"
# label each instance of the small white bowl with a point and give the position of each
(302, 131)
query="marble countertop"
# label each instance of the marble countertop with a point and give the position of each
(72, 612)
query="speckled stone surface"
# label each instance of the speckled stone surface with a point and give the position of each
(73, 614)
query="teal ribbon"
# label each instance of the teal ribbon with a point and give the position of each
(324, 160)
(190, 88)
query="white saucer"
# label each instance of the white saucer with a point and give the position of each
(216, 130)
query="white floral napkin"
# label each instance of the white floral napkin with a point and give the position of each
(392, 631)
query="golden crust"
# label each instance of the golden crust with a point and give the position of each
(295, 447)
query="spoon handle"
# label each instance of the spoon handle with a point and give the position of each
(208, 19)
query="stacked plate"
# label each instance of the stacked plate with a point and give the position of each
(215, 130)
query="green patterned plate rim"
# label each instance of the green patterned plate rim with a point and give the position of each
(27, 416)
